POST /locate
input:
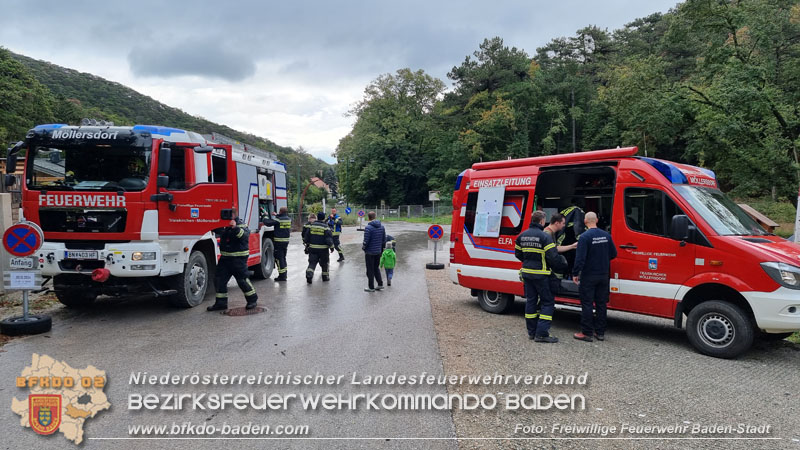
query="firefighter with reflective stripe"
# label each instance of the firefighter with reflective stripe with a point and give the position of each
(335, 222)
(306, 227)
(234, 249)
(320, 242)
(283, 227)
(538, 254)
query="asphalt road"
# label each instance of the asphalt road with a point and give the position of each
(332, 328)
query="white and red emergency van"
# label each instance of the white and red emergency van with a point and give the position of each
(132, 209)
(684, 248)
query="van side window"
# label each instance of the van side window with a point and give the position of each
(469, 215)
(513, 212)
(649, 211)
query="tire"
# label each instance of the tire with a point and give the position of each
(76, 299)
(774, 336)
(192, 285)
(264, 269)
(719, 329)
(37, 324)
(495, 302)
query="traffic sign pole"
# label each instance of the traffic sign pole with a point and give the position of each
(21, 241)
(435, 233)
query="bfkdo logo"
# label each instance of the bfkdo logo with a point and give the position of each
(45, 412)
(60, 398)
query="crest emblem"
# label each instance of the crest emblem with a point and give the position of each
(44, 412)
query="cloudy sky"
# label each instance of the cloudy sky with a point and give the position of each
(287, 71)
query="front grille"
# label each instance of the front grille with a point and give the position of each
(81, 265)
(83, 221)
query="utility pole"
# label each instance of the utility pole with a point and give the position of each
(572, 92)
(299, 213)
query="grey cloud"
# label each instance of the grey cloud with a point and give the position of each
(199, 58)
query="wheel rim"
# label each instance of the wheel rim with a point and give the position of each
(197, 280)
(716, 330)
(491, 298)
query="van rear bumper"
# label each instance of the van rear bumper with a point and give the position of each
(777, 311)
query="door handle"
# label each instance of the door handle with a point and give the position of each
(628, 246)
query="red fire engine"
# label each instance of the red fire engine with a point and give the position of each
(685, 249)
(132, 209)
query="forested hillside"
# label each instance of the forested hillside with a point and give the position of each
(34, 92)
(712, 83)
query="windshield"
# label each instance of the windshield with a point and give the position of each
(88, 166)
(724, 216)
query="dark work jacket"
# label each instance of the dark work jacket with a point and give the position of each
(595, 252)
(234, 241)
(319, 237)
(538, 253)
(283, 227)
(374, 238)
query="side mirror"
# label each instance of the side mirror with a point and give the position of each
(203, 149)
(162, 181)
(226, 214)
(164, 158)
(11, 160)
(9, 180)
(679, 229)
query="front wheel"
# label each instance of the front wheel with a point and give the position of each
(495, 302)
(719, 329)
(193, 284)
(264, 268)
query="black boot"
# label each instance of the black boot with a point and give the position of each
(308, 280)
(341, 257)
(281, 278)
(251, 305)
(218, 307)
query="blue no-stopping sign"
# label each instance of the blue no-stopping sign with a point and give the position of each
(435, 232)
(360, 213)
(22, 239)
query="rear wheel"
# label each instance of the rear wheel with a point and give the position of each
(495, 302)
(264, 269)
(719, 329)
(193, 284)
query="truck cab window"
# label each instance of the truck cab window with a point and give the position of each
(177, 169)
(219, 167)
(513, 216)
(649, 211)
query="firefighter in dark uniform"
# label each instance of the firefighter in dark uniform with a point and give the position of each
(283, 227)
(538, 254)
(306, 227)
(335, 222)
(320, 242)
(234, 250)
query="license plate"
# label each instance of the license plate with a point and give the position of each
(80, 254)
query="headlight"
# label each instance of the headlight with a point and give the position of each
(143, 256)
(784, 274)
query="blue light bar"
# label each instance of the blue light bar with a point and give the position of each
(670, 172)
(164, 131)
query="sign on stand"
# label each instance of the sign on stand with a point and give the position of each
(360, 220)
(435, 234)
(20, 242)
